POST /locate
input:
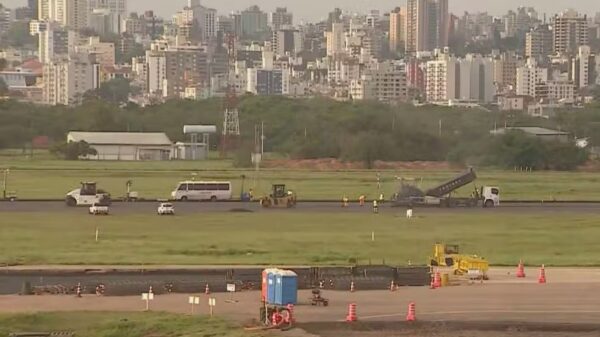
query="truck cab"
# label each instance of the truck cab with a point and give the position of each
(490, 196)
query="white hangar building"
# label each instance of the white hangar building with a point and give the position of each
(125, 145)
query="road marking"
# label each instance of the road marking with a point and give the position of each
(540, 312)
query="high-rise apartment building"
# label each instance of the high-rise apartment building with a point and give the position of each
(55, 43)
(117, 7)
(335, 39)
(538, 42)
(570, 32)
(583, 68)
(398, 29)
(66, 80)
(427, 25)
(69, 13)
(280, 18)
(186, 66)
(254, 21)
(287, 41)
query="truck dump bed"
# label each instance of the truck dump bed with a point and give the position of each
(452, 185)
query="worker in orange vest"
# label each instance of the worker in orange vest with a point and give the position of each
(361, 200)
(375, 207)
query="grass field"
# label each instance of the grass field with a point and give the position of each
(45, 178)
(295, 238)
(91, 324)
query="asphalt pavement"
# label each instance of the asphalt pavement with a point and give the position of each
(183, 208)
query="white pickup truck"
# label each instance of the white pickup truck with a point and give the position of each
(98, 209)
(166, 209)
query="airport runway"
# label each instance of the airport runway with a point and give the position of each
(183, 208)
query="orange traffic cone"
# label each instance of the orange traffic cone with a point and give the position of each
(521, 270)
(412, 314)
(206, 290)
(351, 313)
(542, 278)
(78, 290)
(352, 289)
(437, 280)
(432, 283)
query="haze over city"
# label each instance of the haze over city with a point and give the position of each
(313, 10)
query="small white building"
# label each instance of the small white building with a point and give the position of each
(125, 145)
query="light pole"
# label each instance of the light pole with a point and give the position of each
(4, 183)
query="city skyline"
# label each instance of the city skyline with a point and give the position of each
(304, 10)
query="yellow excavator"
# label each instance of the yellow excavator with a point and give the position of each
(279, 198)
(450, 256)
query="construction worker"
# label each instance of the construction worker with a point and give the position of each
(345, 201)
(361, 200)
(381, 198)
(251, 194)
(375, 207)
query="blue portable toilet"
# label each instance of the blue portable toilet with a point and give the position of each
(286, 288)
(271, 286)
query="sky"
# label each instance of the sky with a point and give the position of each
(313, 10)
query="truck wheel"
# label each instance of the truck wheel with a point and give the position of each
(488, 204)
(213, 198)
(70, 201)
(184, 199)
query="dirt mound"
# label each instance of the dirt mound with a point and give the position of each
(332, 164)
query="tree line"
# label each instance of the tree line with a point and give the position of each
(323, 128)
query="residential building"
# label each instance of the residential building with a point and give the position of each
(335, 39)
(268, 82)
(560, 91)
(538, 42)
(441, 75)
(583, 71)
(103, 51)
(341, 72)
(530, 76)
(427, 25)
(254, 21)
(66, 80)
(35, 27)
(33, 6)
(570, 32)
(398, 29)
(7, 16)
(117, 7)
(505, 71)
(381, 81)
(475, 82)
(280, 18)
(186, 66)
(287, 41)
(55, 43)
(103, 22)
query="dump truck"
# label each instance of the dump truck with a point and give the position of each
(462, 264)
(279, 198)
(410, 195)
(87, 195)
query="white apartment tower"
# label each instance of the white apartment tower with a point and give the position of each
(440, 82)
(530, 76)
(570, 32)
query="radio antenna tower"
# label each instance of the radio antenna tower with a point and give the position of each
(231, 117)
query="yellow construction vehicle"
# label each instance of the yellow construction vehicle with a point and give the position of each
(279, 198)
(449, 256)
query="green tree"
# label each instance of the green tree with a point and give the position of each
(114, 91)
(73, 150)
